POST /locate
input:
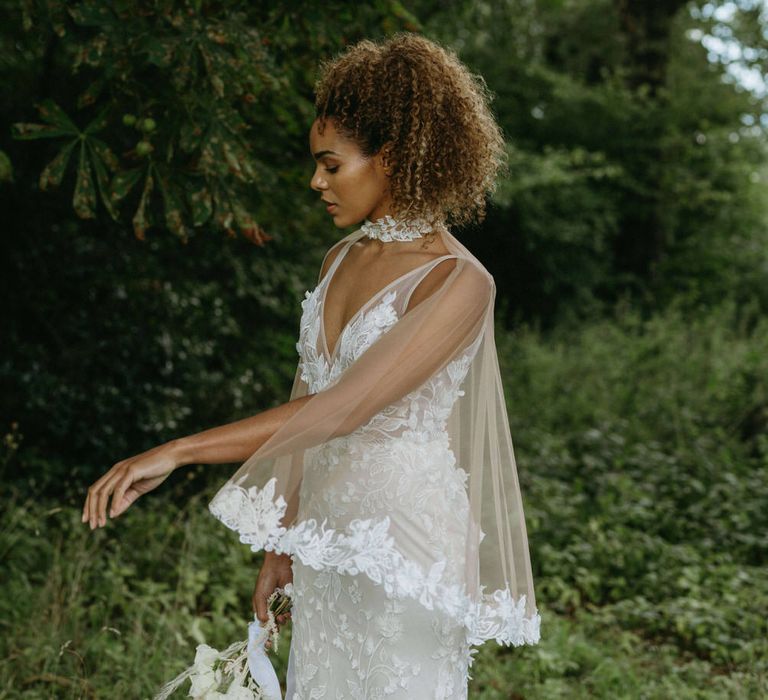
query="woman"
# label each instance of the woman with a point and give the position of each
(385, 489)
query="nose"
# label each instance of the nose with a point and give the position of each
(318, 182)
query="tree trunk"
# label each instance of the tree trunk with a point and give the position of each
(646, 26)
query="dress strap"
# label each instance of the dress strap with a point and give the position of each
(423, 271)
(344, 247)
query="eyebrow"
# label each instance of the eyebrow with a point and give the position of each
(320, 154)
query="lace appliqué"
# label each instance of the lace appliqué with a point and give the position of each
(368, 548)
(389, 229)
(365, 328)
(351, 638)
(254, 513)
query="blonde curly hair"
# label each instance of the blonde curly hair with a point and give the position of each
(416, 100)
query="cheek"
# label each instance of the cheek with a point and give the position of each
(359, 183)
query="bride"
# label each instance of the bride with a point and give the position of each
(385, 489)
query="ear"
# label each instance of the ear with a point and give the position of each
(385, 158)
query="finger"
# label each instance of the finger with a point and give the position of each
(104, 491)
(93, 494)
(118, 506)
(261, 608)
(103, 495)
(84, 517)
(93, 506)
(260, 597)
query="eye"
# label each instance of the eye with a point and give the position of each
(333, 169)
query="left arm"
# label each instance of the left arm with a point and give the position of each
(133, 477)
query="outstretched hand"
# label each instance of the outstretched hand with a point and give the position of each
(125, 482)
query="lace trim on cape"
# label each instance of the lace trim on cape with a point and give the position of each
(255, 515)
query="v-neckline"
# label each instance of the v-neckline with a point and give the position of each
(331, 356)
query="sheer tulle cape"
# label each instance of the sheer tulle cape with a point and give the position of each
(494, 597)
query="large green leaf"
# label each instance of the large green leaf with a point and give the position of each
(104, 152)
(141, 218)
(174, 218)
(51, 113)
(84, 200)
(57, 123)
(91, 93)
(102, 179)
(201, 204)
(100, 122)
(53, 173)
(25, 131)
(123, 183)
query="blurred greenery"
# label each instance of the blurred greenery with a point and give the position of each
(160, 233)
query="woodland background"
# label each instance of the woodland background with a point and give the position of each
(159, 234)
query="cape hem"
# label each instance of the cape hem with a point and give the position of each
(366, 547)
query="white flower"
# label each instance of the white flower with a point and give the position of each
(203, 677)
(205, 657)
(203, 682)
(238, 692)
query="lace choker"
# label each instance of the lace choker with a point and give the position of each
(390, 229)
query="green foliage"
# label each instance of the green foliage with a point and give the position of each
(114, 343)
(139, 344)
(638, 167)
(202, 154)
(643, 460)
(92, 613)
(199, 103)
(643, 457)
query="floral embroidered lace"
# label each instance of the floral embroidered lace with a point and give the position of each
(387, 501)
(390, 229)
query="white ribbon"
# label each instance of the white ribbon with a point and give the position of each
(258, 662)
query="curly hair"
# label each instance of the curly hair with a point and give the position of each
(416, 100)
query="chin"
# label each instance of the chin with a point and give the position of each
(346, 221)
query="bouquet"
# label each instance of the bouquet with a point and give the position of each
(242, 671)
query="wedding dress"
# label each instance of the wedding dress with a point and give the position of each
(381, 517)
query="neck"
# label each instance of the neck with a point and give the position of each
(388, 228)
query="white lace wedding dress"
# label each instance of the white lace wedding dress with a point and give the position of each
(390, 595)
(349, 640)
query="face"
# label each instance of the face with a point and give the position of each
(356, 186)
